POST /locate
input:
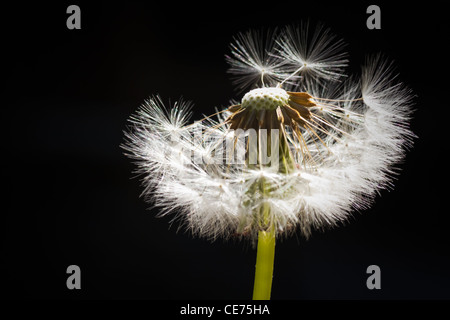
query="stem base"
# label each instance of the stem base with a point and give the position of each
(265, 256)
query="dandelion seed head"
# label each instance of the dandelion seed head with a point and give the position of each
(305, 147)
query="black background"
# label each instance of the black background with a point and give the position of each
(70, 197)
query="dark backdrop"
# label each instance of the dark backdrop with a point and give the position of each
(70, 197)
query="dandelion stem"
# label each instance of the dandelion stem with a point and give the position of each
(265, 256)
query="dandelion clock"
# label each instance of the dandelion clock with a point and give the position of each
(305, 146)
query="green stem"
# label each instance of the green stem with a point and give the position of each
(265, 256)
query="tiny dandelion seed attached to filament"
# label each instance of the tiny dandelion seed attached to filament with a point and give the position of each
(305, 146)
